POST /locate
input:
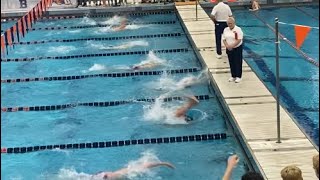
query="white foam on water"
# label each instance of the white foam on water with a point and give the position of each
(101, 46)
(103, 30)
(61, 49)
(161, 112)
(129, 45)
(72, 174)
(74, 31)
(166, 82)
(113, 21)
(137, 172)
(152, 59)
(95, 67)
(88, 21)
(135, 26)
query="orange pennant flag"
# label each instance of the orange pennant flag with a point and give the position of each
(3, 46)
(301, 34)
(9, 38)
(14, 33)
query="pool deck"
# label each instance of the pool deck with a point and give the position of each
(251, 106)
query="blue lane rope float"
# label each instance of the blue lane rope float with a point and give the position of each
(304, 55)
(91, 16)
(105, 75)
(101, 38)
(94, 55)
(93, 104)
(93, 26)
(109, 144)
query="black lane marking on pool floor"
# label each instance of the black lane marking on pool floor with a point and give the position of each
(306, 13)
(93, 104)
(303, 79)
(105, 75)
(97, 15)
(289, 101)
(94, 55)
(101, 38)
(109, 144)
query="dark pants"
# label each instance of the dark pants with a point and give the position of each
(219, 27)
(235, 61)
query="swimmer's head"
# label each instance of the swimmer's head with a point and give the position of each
(135, 67)
(188, 119)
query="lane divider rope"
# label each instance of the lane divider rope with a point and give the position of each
(93, 26)
(109, 75)
(93, 55)
(109, 144)
(101, 38)
(306, 57)
(91, 16)
(93, 104)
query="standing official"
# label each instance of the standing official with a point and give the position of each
(232, 38)
(219, 16)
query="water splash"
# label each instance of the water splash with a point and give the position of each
(162, 113)
(135, 26)
(97, 67)
(88, 21)
(72, 174)
(167, 83)
(113, 21)
(61, 49)
(152, 59)
(126, 45)
(135, 170)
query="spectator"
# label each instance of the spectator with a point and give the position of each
(232, 162)
(254, 5)
(219, 16)
(291, 173)
(315, 160)
(232, 39)
(252, 176)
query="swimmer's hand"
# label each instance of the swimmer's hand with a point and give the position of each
(233, 161)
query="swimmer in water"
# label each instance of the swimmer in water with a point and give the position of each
(187, 82)
(182, 111)
(117, 175)
(122, 26)
(147, 65)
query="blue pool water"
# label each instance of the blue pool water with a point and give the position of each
(299, 78)
(135, 120)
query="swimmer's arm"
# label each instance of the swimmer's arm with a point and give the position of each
(232, 162)
(119, 173)
(152, 165)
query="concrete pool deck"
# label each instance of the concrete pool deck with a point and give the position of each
(251, 105)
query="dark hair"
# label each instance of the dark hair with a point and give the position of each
(252, 176)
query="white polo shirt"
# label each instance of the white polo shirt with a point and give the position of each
(221, 12)
(231, 35)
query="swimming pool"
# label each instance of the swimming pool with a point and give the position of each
(57, 93)
(299, 78)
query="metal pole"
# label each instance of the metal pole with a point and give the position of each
(196, 10)
(277, 79)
